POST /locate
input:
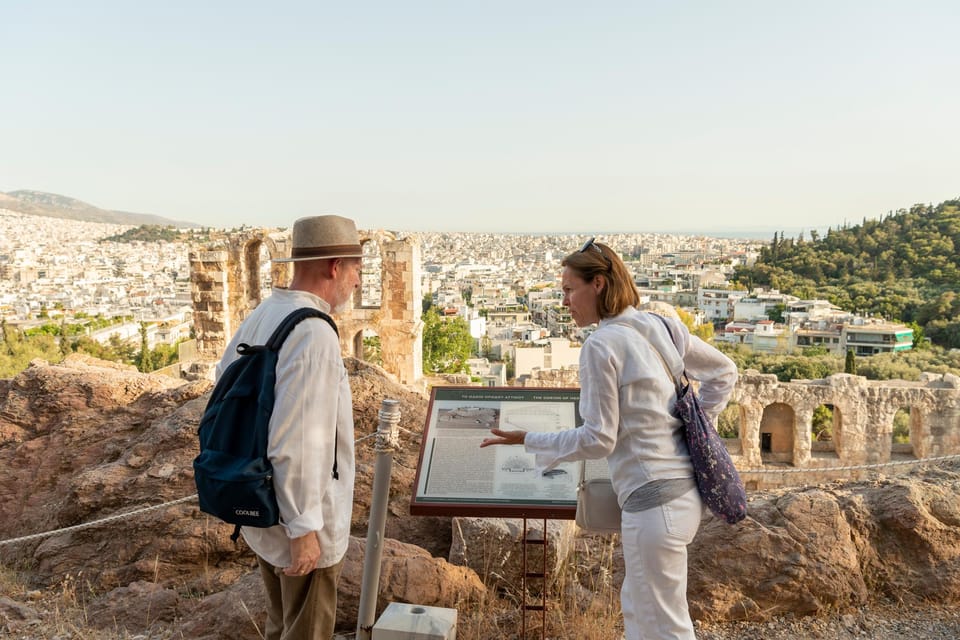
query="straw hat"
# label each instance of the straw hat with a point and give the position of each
(321, 237)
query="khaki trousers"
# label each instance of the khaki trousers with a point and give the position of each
(300, 607)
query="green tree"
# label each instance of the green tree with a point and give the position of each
(776, 312)
(121, 350)
(372, 351)
(511, 369)
(144, 362)
(850, 364)
(164, 355)
(901, 426)
(447, 343)
(822, 423)
(801, 368)
(486, 346)
(21, 350)
(64, 341)
(7, 343)
(728, 422)
(702, 331)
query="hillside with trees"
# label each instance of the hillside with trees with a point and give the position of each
(904, 267)
(161, 233)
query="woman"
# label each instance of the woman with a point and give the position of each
(626, 402)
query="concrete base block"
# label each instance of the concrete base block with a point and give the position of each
(401, 621)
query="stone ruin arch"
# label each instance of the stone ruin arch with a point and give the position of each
(865, 411)
(225, 288)
(905, 451)
(777, 432)
(396, 320)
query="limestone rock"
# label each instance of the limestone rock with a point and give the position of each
(16, 617)
(139, 606)
(407, 574)
(808, 550)
(236, 613)
(492, 547)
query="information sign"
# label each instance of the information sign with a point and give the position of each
(456, 477)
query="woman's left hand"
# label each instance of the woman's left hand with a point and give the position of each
(504, 437)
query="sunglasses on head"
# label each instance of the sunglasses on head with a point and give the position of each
(589, 244)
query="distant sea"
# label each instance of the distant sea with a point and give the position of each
(752, 233)
(759, 233)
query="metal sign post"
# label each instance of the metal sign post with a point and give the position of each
(370, 584)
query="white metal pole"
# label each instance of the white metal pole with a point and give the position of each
(370, 585)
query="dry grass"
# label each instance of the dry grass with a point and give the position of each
(57, 613)
(583, 603)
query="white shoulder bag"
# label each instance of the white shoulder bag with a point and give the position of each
(597, 508)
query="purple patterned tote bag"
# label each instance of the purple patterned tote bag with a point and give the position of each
(720, 485)
(717, 479)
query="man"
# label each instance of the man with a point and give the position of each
(311, 430)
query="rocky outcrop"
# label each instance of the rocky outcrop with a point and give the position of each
(87, 440)
(801, 551)
(809, 550)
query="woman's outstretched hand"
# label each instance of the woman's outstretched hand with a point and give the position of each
(504, 437)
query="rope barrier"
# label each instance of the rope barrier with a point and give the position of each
(137, 512)
(77, 527)
(853, 467)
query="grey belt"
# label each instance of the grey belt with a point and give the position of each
(656, 493)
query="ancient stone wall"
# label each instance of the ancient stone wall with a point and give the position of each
(775, 444)
(775, 434)
(397, 319)
(226, 285)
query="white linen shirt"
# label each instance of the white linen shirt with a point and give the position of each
(627, 400)
(313, 406)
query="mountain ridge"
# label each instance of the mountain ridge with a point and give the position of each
(53, 205)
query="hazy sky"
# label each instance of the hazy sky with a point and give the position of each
(485, 116)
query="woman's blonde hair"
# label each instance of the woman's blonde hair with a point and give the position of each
(597, 259)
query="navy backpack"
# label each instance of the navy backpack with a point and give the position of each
(234, 477)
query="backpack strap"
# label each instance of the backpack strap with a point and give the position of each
(293, 319)
(280, 334)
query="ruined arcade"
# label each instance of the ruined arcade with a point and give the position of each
(229, 279)
(774, 444)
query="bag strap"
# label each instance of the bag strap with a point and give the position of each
(683, 376)
(666, 367)
(676, 381)
(293, 318)
(280, 334)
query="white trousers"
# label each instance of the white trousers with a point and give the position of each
(654, 593)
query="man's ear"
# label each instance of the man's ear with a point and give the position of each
(334, 267)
